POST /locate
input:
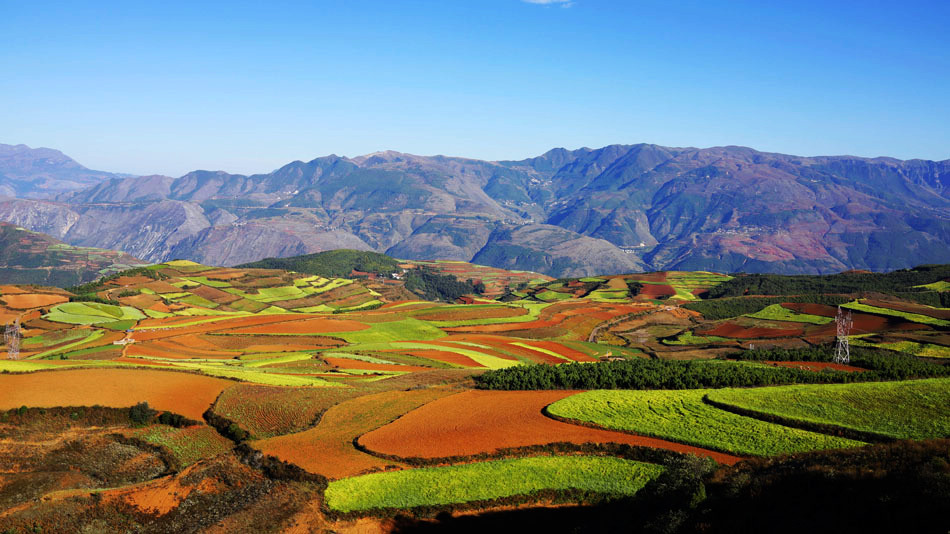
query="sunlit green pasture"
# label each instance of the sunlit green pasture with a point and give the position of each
(681, 415)
(434, 486)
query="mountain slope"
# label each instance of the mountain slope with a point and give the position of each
(42, 172)
(566, 212)
(32, 258)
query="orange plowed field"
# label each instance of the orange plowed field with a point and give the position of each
(327, 449)
(305, 326)
(263, 343)
(475, 422)
(174, 349)
(657, 290)
(25, 301)
(168, 327)
(184, 393)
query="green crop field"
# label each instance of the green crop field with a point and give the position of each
(681, 415)
(913, 409)
(688, 338)
(436, 486)
(926, 350)
(404, 329)
(912, 317)
(187, 445)
(90, 313)
(942, 285)
(777, 312)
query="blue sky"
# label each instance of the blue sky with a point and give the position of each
(168, 87)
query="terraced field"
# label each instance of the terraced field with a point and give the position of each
(486, 481)
(683, 416)
(880, 408)
(351, 379)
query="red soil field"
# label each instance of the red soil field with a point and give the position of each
(568, 352)
(25, 301)
(184, 393)
(737, 331)
(657, 290)
(451, 342)
(214, 294)
(174, 349)
(160, 286)
(818, 366)
(131, 280)
(141, 301)
(651, 277)
(475, 422)
(305, 326)
(11, 290)
(327, 449)
(465, 315)
(263, 343)
(167, 328)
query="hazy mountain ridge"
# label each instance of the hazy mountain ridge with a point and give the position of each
(566, 212)
(43, 172)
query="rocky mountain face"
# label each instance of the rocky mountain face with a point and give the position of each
(42, 172)
(564, 213)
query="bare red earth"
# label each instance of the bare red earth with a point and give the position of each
(476, 422)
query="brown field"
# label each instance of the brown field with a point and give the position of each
(25, 301)
(161, 328)
(821, 310)
(174, 349)
(268, 411)
(214, 294)
(729, 329)
(476, 422)
(264, 343)
(657, 290)
(818, 366)
(909, 308)
(441, 356)
(315, 325)
(183, 393)
(327, 449)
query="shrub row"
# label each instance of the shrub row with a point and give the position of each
(671, 374)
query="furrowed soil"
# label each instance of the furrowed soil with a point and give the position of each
(26, 301)
(327, 449)
(182, 393)
(478, 422)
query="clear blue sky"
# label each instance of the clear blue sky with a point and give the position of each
(168, 87)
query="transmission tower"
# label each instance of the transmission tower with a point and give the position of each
(11, 337)
(843, 323)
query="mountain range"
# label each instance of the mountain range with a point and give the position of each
(43, 172)
(620, 208)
